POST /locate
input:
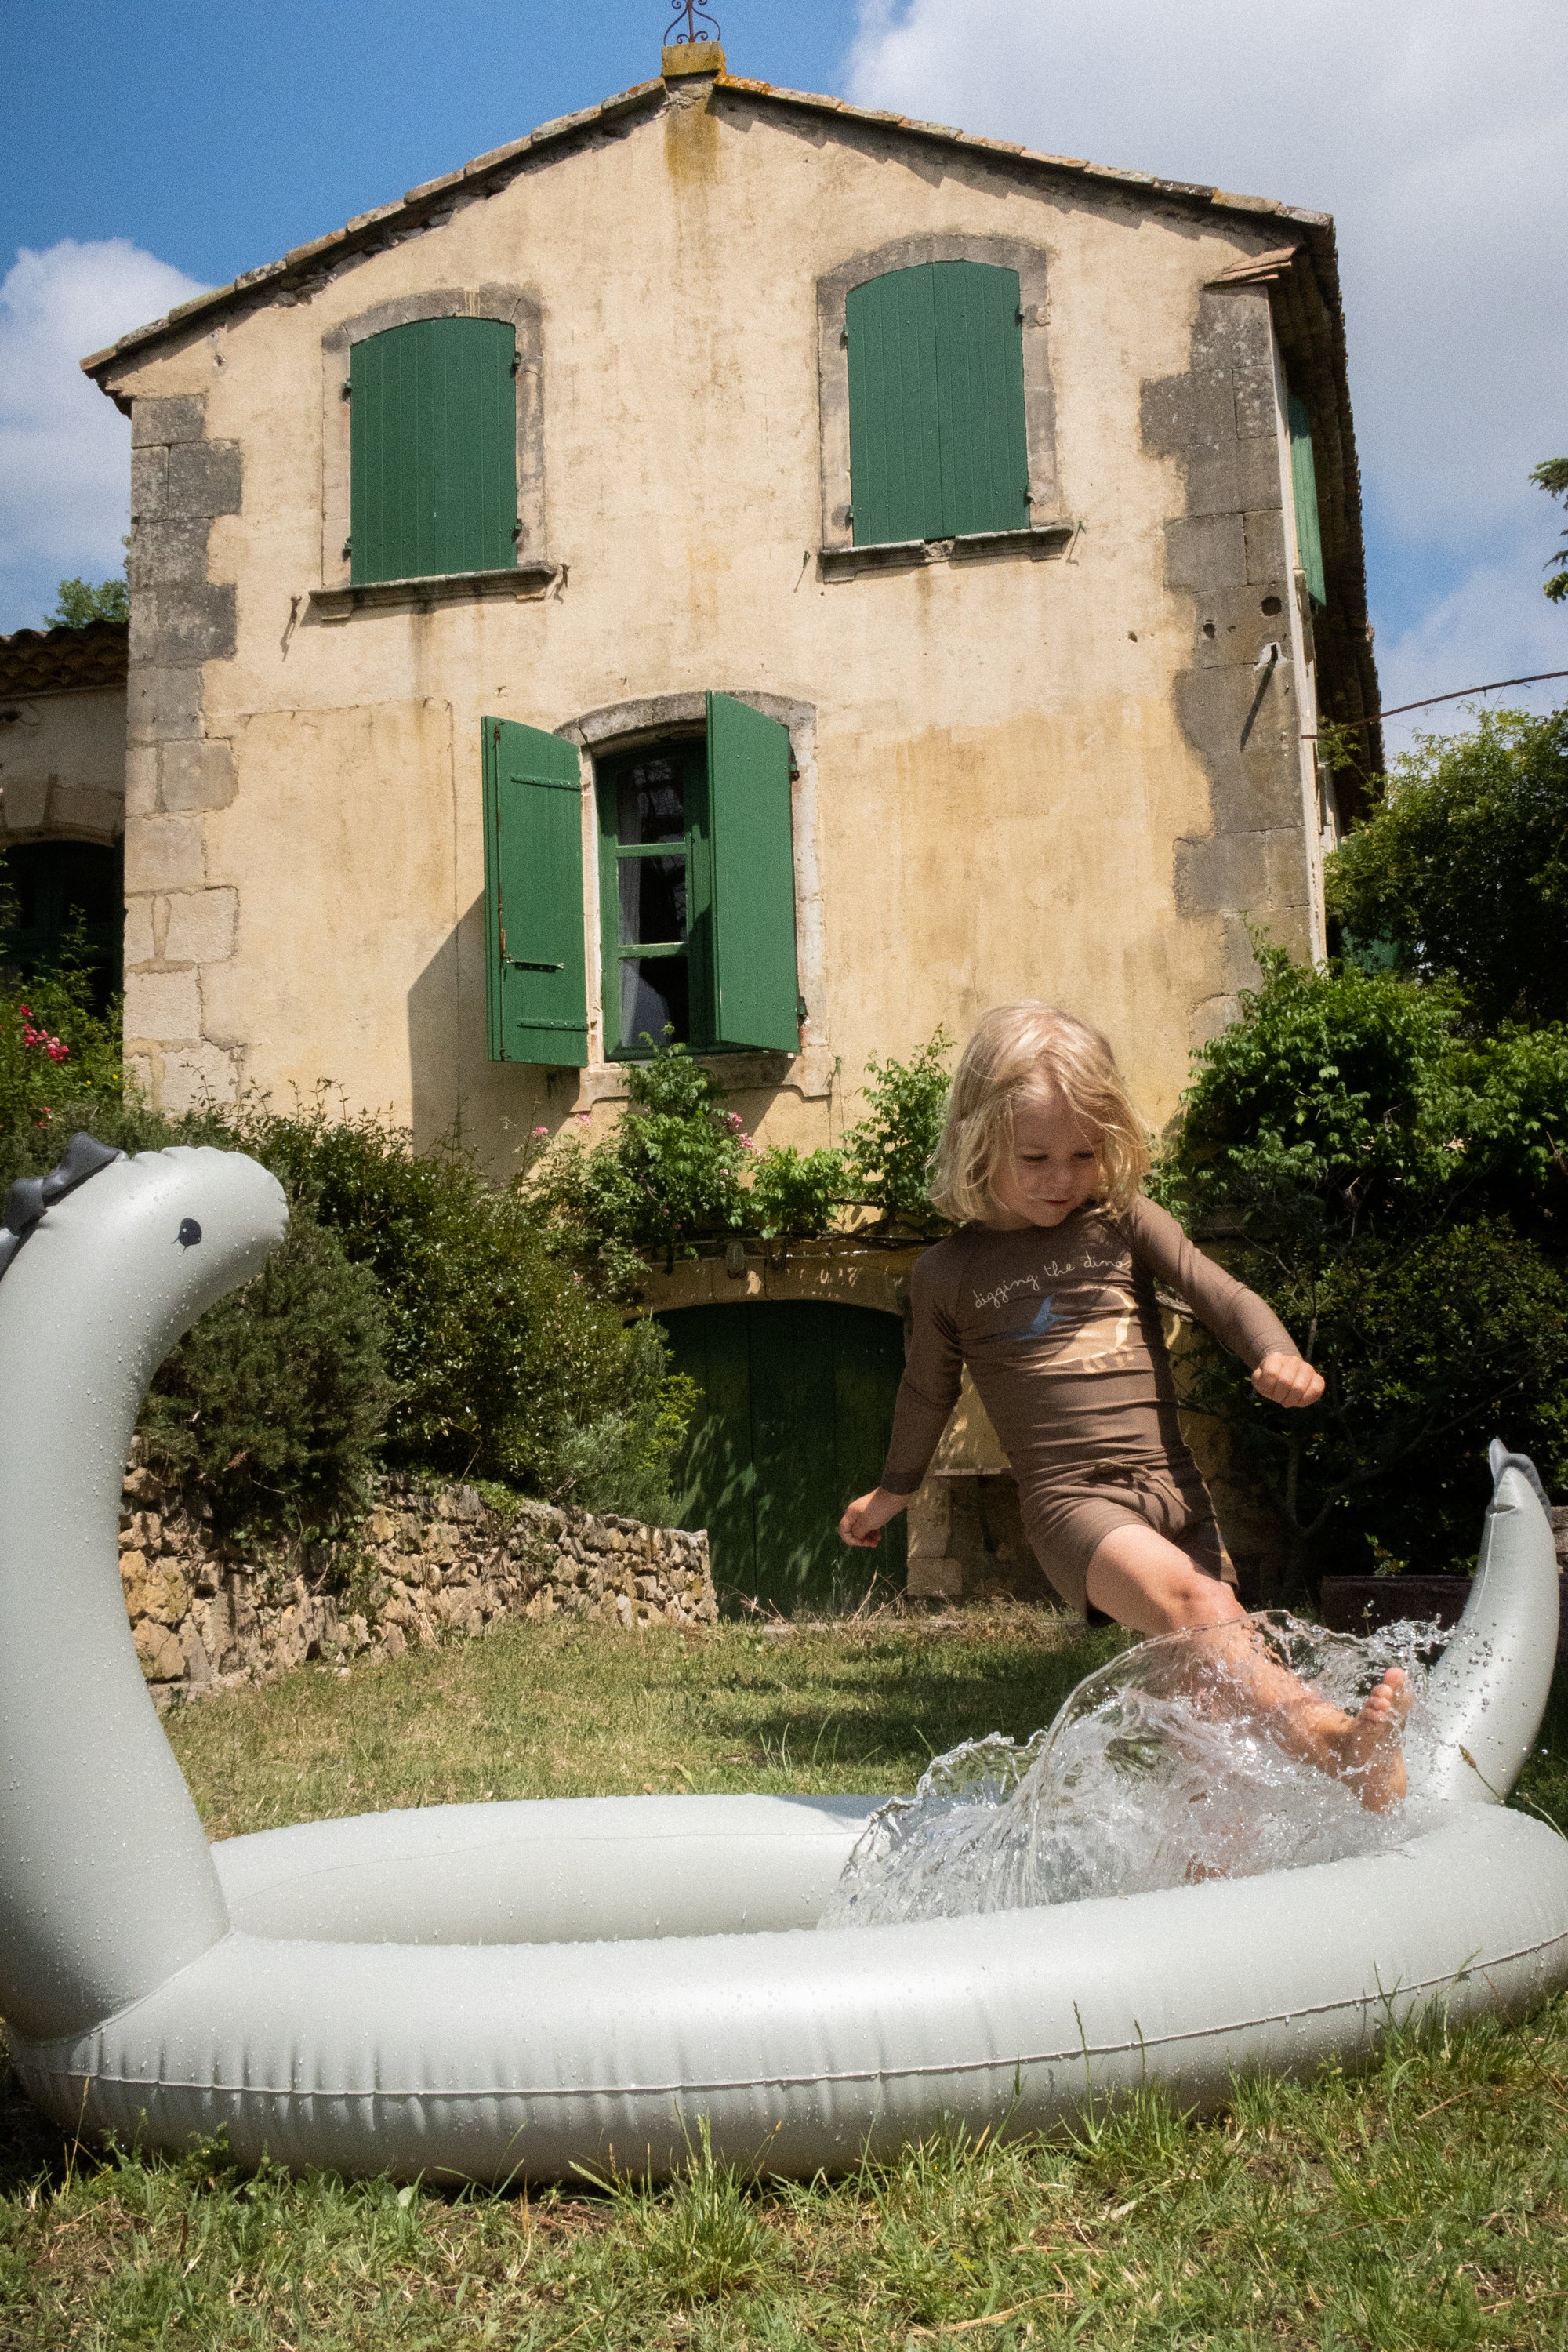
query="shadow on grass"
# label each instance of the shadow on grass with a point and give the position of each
(905, 1708)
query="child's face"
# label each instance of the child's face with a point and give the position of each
(1052, 1168)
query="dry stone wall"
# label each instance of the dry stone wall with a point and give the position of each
(427, 1564)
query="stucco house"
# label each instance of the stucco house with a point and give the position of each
(732, 562)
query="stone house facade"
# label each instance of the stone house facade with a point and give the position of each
(735, 560)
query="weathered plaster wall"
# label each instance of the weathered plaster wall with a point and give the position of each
(62, 766)
(1023, 779)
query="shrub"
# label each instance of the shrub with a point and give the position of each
(890, 1152)
(623, 1461)
(59, 1066)
(1395, 1190)
(794, 1194)
(500, 1352)
(670, 1172)
(270, 1407)
(485, 1354)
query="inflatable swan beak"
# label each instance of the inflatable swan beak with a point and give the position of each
(106, 1880)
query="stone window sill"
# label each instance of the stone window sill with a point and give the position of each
(519, 580)
(1039, 542)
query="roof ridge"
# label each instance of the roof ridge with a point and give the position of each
(423, 201)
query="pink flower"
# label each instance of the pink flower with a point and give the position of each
(542, 1130)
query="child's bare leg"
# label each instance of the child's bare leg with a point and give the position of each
(1146, 1583)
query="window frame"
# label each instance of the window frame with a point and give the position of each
(1048, 529)
(696, 849)
(511, 305)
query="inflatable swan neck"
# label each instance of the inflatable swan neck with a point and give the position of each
(106, 1880)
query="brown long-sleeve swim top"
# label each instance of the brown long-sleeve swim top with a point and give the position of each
(1060, 1328)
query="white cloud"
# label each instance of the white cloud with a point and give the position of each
(65, 450)
(1492, 623)
(1434, 131)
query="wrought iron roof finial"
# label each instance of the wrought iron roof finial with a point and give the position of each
(692, 17)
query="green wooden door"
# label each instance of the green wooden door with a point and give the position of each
(797, 1402)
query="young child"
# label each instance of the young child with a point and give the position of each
(1048, 1293)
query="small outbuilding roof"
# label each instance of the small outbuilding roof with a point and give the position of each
(53, 661)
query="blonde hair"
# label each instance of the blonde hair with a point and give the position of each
(1017, 1053)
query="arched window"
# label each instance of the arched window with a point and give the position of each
(938, 439)
(433, 449)
(66, 892)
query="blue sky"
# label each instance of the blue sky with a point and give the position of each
(162, 145)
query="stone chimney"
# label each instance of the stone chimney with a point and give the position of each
(687, 59)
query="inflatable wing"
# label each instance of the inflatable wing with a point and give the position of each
(511, 1991)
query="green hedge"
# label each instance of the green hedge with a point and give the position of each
(417, 1314)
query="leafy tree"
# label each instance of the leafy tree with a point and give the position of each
(1395, 1187)
(1553, 476)
(82, 601)
(1463, 868)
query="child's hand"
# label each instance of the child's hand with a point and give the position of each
(868, 1515)
(1288, 1380)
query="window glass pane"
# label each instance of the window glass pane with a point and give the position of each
(651, 804)
(653, 998)
(653, 900)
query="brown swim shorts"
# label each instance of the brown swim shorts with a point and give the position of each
(1069, 1519)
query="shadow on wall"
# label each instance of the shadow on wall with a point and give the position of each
(434, 1043)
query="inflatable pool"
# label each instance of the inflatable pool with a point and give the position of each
(512, 1990)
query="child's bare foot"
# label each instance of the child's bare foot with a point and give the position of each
(1366, 1753)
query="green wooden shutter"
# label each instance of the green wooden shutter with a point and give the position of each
(1304, 484)
(433, 440)
(895, 467)
(980, 390)
(938, 438)
(754, 987)
(536, 982)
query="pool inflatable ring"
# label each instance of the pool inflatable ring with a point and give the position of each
(511, 1991)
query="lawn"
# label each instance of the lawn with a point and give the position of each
(1424, 2204)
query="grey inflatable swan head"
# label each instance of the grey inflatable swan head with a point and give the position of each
(106, 1883)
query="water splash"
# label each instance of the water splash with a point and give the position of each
(1158, 1771)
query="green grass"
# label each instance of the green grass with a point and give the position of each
(1424, 2204)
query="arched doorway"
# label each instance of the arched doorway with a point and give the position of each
(61, 892)
(795, 1405)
